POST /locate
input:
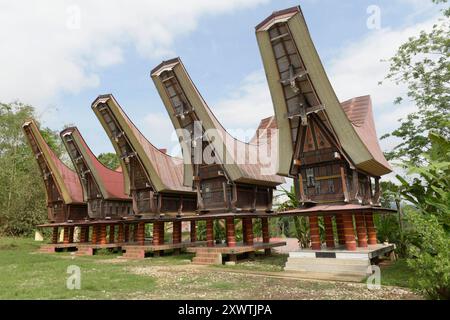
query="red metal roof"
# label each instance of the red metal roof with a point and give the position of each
(111, 180)
(359, 112)
(69, 178)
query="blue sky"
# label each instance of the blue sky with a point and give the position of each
(217, 45)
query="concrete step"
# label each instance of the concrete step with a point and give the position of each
(326, 268)
(207, 258)
(351, 277)
(330, 261)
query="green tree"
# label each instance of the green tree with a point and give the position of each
(423, 65)
(22, 197)
(109, 159)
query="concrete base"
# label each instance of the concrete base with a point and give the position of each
(337, 264)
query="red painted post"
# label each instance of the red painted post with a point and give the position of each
(349, 232)
(156, 230)
(247, 228)
(231, 233)
(371, 231)
(329, 234)
(162, 231)
(361, 230)
(94, 234)
(265, 230)
(102, 231)
(176, 232)
(340, 229)
(314, 232)
(140, 233)
(83, 234)
(71, 232)
(210, 233)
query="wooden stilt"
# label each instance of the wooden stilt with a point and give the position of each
(210, 233)
(55, 235)
(94, 234)
(176, 232)
(127, 232)
(193, 231)
(162, 231)
(349, 232)
(247, 228)
(112, 233)
(340, 229)
(83, 234)
(361, 230)
(102, 231)
(231, 236)
(314, 232)
(71, 234)
(266, 234)
(140, 233)
(371, 231)
(156, 231)
(66, 235)
(329, 232)
(120, 234)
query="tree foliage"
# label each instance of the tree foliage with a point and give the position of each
(423, 65)
(22, 197)
(109, 159)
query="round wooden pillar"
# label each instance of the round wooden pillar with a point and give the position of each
(112, 233)
(371, 231)
(176, 232)
(120, 235)
(210, 233)
(314, 233)
(156, 230)
(83, 234)
(102, 237)
(193, 231)
(340, 229)
(66, 235)
(55, 235)
(140, 233)
(361, 230)
(349, 232)
(265, 230)
(247, 228)
(94, 234)
(231, 236)
(329, 234)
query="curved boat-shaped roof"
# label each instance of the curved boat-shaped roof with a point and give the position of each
(163, 171)
(66, 180)
(109, 182)
(289, 56)
(236, 154)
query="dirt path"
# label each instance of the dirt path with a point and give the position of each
(200, 282)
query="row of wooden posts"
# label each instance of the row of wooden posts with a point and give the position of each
(97, 234)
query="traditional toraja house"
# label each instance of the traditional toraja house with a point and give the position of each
(103, 191)
(64, 194)
(153, 179)
(331, 150)
(229, 185)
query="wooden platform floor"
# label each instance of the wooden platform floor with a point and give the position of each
(149, 247)
(240, 248)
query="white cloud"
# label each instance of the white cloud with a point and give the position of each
(51, 47)
(246, 105)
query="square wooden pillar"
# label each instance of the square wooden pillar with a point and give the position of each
(55, 235)
(66, 235)
(266, 234)
(193, 231)
(247, 229)
(231, 233)
(210, 233)
(349, 232)
(329, 233)
(314, 232)
(162, 232)
(112, 233)
(361, 230)
(340, 229)
(371, 231)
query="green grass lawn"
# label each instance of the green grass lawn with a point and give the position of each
(398, 274)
